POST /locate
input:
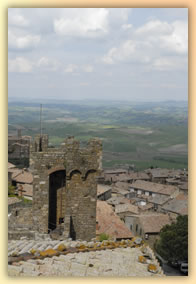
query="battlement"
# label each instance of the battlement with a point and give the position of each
(40, 144)
(65, 185)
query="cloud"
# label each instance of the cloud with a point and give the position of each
(154, 27)
(129, 50)
(171, 37)
(71, 68)
(20, 65)
(16, 18)
(22, 42)
(153, 40)
(88, 68)
(48, 64)
(167, 63)
(177, 41)
(91, 22)
(126, 26)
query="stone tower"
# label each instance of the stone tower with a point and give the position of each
(65, 186)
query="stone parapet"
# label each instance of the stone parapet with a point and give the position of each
(65, 186)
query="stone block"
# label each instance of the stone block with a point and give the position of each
(14, 270)
(78, 269)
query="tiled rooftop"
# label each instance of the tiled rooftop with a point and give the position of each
(102, 188)
(154, 187)
(121, 208)
(11, 166)
(117, 200)
(109, 222)
(12, 200)
(117, 262)
(26, 189)
(159, 199)
(152, 223)
(177, 205)
(22, 176)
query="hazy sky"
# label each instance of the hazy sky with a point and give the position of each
(98, 53)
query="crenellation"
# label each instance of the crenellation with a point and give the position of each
(65, 186)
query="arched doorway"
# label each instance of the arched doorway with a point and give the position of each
(57, 180)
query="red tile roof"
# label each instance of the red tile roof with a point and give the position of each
(102, 188)
(22, 176)
(138, 175)
(11, 166)
(26, 189)
(128, 207)
(12, 200)
(154, 187)
(178, 205)
(153, 223)
(109, 222)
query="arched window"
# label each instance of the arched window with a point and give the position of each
(74, 172)
(89, 172)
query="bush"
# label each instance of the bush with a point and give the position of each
(11, 190)
(173, 242)
(103, 237)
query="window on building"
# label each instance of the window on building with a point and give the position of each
(146, 236)
(136, 227)
(131, 227)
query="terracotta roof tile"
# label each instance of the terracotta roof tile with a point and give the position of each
(153, 223)
(154, 187)
(146, 207)
(109, 222)
(121, 208)
(184, 186)
(159, 199)
(115, 171)
(122, 185)
(102, 188)
(22, 177)
(177, 205)
(26, 189)
(118, 200)
(12, 200)
(138, 175)
(11, 166)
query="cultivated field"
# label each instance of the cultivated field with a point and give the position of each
(144, 134)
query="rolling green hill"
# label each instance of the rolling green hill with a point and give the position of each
(144, 134)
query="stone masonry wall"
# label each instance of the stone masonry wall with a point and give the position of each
(82, 166)
(18, 150)
(21, 218)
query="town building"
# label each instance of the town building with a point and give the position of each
(147, 226)
(152, 189)
(126, 209)
(104, 192)
(19, 150)
(176, 206)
